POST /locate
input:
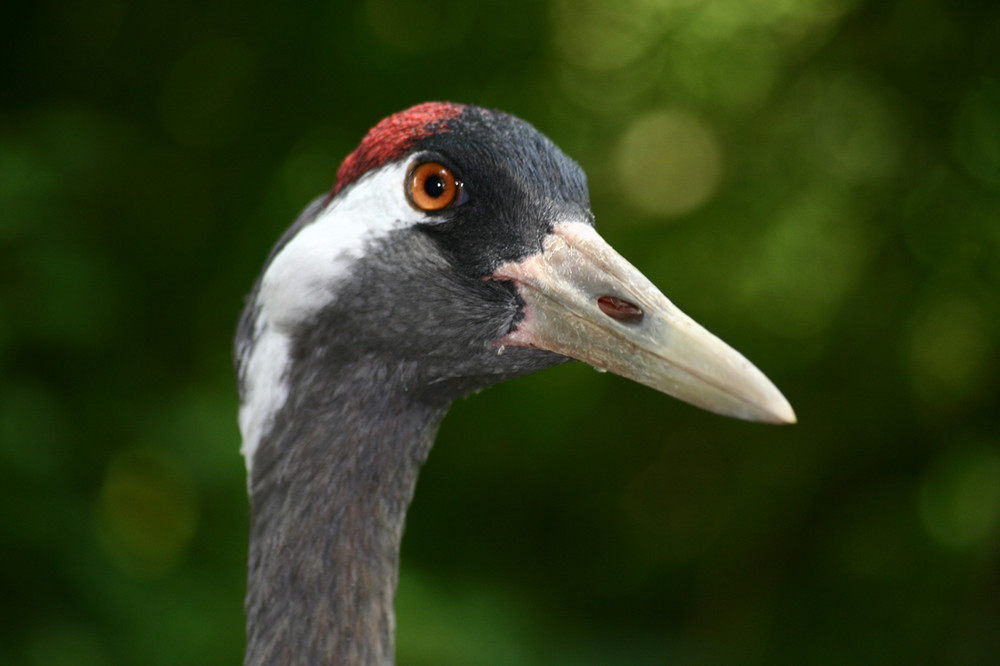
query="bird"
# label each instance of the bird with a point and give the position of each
(456, 249)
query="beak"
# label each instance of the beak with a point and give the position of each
(585, 301)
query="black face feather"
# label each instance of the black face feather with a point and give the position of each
(518, 184)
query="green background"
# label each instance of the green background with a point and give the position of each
(816, 181)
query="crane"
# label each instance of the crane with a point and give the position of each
(456, 250)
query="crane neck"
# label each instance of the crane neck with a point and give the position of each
(329, 491)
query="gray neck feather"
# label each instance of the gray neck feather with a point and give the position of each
(329, 492)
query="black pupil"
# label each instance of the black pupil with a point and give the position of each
(435, 186)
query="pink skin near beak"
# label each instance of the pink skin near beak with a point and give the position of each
(584, 300)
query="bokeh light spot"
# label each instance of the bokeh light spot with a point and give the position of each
(668, 163)
(976, 133)
(857, 135)
(611, 93)
(951, 350)
(959, 500)
(601, 35)
(735, 72)
(798, 272)
(148, 511)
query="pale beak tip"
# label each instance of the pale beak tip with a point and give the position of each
(791, 419)
(781, 413)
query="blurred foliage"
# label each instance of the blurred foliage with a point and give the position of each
(817, 181)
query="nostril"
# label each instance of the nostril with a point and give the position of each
(620, 309)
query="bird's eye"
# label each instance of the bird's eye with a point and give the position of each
(432, 186)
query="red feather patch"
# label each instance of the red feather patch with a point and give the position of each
(392, 137)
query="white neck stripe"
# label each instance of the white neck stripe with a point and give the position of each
(305, 276)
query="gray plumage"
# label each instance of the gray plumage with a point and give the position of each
(333, 478)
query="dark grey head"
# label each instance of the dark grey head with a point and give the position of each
(458, 246)
(456, 249)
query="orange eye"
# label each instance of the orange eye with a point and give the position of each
(432, 186)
